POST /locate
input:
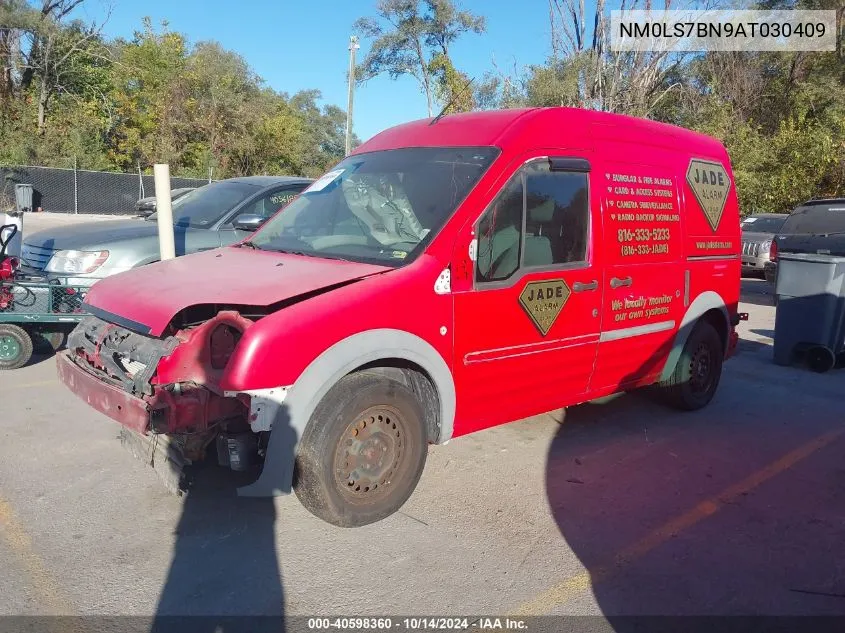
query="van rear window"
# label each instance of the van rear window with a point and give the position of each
(816, 219)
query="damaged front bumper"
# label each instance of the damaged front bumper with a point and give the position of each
(119, 373)
(165, 391)
(132, 412)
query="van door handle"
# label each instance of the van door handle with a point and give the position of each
(580, 286)
(615, 282)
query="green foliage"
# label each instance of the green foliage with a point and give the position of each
(413, 37)
(780, 116)
(121, 104)
(451, 87)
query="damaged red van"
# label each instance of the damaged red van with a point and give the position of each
(449, 275)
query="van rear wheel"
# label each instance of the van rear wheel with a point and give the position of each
(698, 371)
(362, 452)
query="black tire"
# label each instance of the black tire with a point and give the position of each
(330, 481)
(695, 379)
(15, 347)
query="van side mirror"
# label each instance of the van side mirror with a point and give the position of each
(249, 222)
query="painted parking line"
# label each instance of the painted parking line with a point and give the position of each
(577, 584)
(42, 584)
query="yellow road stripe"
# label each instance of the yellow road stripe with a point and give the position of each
(575, 585)
(41, 582)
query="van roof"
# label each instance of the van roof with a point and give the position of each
(533, 127)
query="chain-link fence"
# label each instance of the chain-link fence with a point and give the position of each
(81, 191)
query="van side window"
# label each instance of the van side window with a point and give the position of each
(557, 216)
(500, 234)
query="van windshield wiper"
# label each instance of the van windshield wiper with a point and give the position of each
(252, 245)
(309, 254)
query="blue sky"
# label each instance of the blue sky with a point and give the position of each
(296, 45)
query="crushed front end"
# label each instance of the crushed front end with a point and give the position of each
(165, 391)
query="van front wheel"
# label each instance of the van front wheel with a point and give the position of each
(362, 452)
(696, 377)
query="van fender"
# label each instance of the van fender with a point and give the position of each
(703, 303)
(289, 409)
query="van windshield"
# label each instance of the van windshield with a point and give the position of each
(808, 220)
(381, 207)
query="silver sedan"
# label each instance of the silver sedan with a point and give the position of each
(215, 215)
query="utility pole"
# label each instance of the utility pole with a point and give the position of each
(353, 46)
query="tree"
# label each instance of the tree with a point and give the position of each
(781, 116)
(324, 131)
(413, 37)
(150, 99)
(451, 87)
(53, 53)
(583, 70)
(221, 84)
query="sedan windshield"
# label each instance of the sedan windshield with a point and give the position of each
(203, 207)
(380, 207)
(762, 224)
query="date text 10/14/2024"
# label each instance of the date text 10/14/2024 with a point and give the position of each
(416, 624)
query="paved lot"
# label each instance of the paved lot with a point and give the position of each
(625, 508)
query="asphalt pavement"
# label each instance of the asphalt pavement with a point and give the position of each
(625, 507)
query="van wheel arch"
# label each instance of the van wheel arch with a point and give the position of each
(709, 307)
(417, 380)
(696, 376)
(413, 358)
(717, 319)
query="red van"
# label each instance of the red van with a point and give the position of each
(449, 275)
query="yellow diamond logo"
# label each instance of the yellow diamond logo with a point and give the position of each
(543, 301)
(710, 183)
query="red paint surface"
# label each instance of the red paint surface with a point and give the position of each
(154, 294)
(192, 410)
(504, 368)
(131, 412)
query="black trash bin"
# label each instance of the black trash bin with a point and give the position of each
(810, 317)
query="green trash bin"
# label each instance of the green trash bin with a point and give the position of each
(810, 316)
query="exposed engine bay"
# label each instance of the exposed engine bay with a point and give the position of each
(165, 392)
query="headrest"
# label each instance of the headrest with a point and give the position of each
(543, 212)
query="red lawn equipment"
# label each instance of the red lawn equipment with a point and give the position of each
(8, 264)
(33, 310)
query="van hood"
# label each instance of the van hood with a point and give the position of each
(146, 299)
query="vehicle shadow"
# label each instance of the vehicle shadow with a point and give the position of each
(46, 347)
(224, 575)
(634, 487)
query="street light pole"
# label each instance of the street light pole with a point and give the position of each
(353, 46)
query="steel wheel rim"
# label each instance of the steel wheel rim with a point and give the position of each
(371, 454)
(701, 369)
(10, 348)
